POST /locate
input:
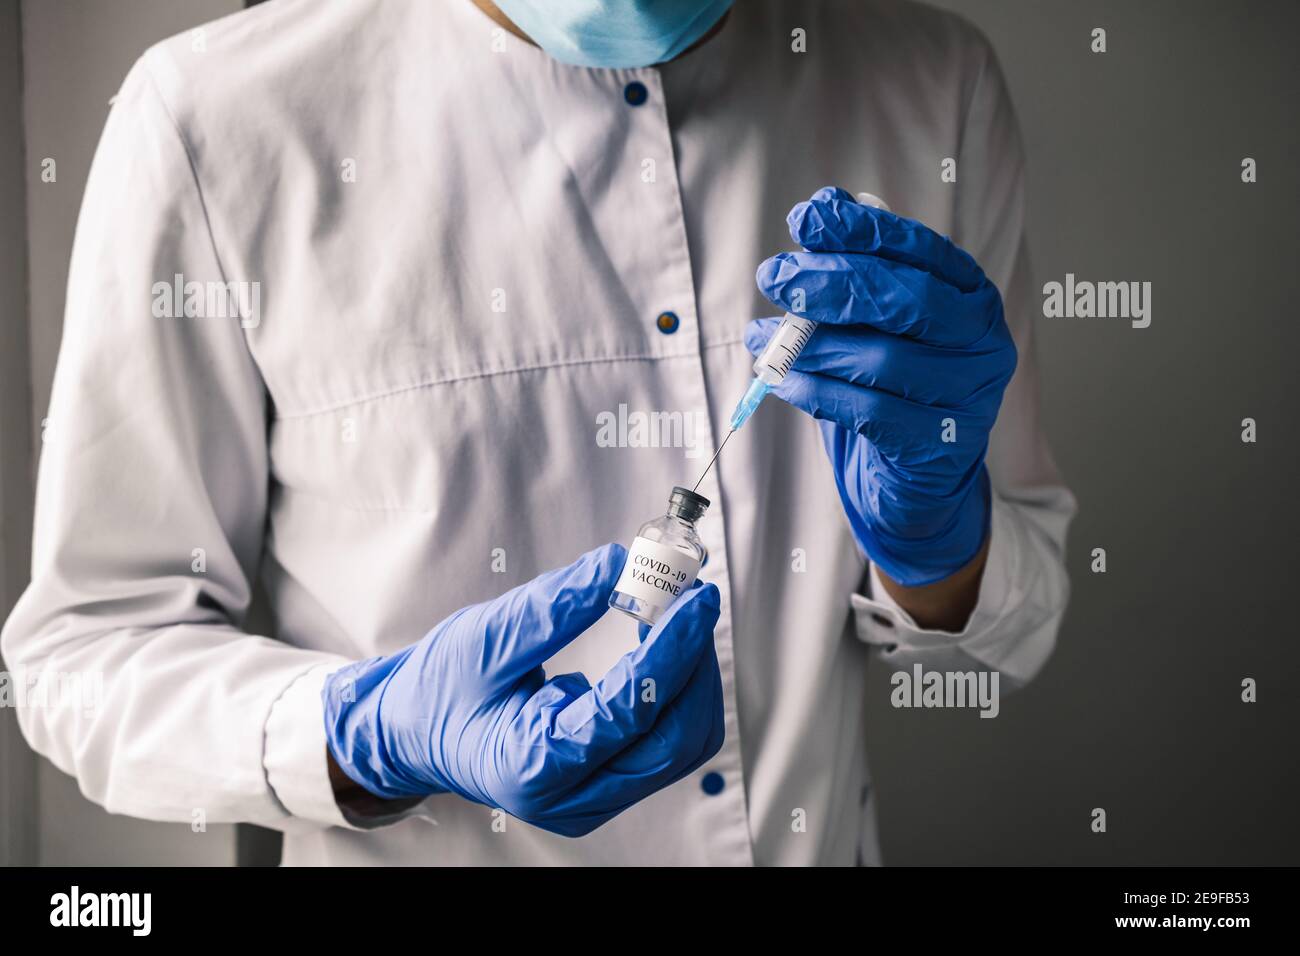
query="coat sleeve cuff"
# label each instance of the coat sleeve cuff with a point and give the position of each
(294, 760)
(294, 753)
(880, 621)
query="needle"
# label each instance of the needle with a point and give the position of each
(713, 459)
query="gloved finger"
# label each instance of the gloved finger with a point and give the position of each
(834, 221)
(560, 691)
(896, 364)
(625, 703)
(527, 625)
(524, 771)
(547, 761)
(685, 736)
(692, 724)
(850, 288)
(759, 331)
(925, 437)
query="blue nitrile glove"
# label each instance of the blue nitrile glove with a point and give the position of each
(469, 710)
(912, 335)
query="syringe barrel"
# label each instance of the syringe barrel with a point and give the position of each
(783, 348)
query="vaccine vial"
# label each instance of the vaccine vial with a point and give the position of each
(663, 559)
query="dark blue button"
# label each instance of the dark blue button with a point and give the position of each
(712, 783)
(667, 323)
(635, 93)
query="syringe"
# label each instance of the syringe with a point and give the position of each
(782, 349)
(777, 357)
(774, 363)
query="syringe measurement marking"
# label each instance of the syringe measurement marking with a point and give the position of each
(801, 339)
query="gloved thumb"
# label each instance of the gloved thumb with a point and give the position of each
(526, 626)
(613, 713)
(687, 625)
(758, 332)
(698, 607)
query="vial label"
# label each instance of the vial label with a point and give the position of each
(656, 573)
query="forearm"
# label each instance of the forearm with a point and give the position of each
(944, 605)
(355, 800)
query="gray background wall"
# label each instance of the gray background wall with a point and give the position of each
(1134, 173)
(1134, 165)
(17, 766)
(72, 55)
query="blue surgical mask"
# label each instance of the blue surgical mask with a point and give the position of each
(614, 33)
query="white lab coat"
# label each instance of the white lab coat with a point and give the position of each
(462, 248)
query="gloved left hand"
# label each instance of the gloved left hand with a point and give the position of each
(905, 374)
(469, 708)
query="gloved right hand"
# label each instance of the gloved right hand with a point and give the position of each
(469, 709)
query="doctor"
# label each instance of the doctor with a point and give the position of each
(474, 230)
